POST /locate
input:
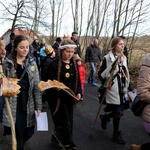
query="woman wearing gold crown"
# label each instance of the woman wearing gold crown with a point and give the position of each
(116, 96)
(65, 70)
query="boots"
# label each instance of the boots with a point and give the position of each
(104, 121)
(117, 137)
(135, 147)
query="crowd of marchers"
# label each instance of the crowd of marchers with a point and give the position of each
(33, 61)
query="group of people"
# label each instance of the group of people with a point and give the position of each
(64, 68)
(65, 65)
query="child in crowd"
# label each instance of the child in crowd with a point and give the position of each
(82, 75)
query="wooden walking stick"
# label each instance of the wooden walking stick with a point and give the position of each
(107, 85)
(3, 81)
(13, 132)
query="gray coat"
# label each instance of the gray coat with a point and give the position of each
(34, 97)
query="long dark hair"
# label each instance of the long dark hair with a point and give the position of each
(17, 40)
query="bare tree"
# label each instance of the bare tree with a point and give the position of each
(75, 10)
(16, 14)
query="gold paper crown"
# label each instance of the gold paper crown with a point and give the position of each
(76, 57)
(48, 49)
(66, 36)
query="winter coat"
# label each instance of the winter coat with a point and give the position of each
(56, 48)
(78, 48)
(143, 86)
(36, 47)
(73, 82)
(93, 54)
(42, 52)
(44, 66)
(82, 74)
(112, 96)
(34, 98)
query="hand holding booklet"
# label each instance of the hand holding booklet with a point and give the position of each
(42, 121)
(56, 84)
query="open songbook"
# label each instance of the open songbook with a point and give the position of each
(10, 87)
(55, 84)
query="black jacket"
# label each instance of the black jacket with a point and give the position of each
(53, 94)
(93, 54)
(44, 66)
(78, 48)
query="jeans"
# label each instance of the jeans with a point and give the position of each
(93, 70)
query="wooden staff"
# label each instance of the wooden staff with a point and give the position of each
(14, 142)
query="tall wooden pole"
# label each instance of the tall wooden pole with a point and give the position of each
(14, 142)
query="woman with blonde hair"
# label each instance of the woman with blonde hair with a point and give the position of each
(116, 96)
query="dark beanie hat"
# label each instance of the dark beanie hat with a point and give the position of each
(12, 36)
(123, 37)
(58, 39)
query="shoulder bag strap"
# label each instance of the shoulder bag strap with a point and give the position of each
(25, 70)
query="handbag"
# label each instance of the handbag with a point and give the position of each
(138, 106)
(100, 93)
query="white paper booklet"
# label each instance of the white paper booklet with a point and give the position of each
(42, 121)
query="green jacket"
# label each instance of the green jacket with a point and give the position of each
(34, 97)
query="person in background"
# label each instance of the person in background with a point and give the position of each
(50, 56)
(116, 96)
(31, 48)
(42, 51)
(82, 73)
(56, 46)
(93, 56)
(9, 47)
(36, 45)
(143, 84)
(23, 105)
(125, 51)
(63, 69)
(44, 65)
(75, 39)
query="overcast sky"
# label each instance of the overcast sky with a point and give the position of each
(67, 25)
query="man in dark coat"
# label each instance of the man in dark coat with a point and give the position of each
(92, 56)
(75, 39)
(56, 46)
(36, 46)
(9, 47)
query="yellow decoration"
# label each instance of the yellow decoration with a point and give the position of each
(67, 75)
(67, 66)
(32, 68)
